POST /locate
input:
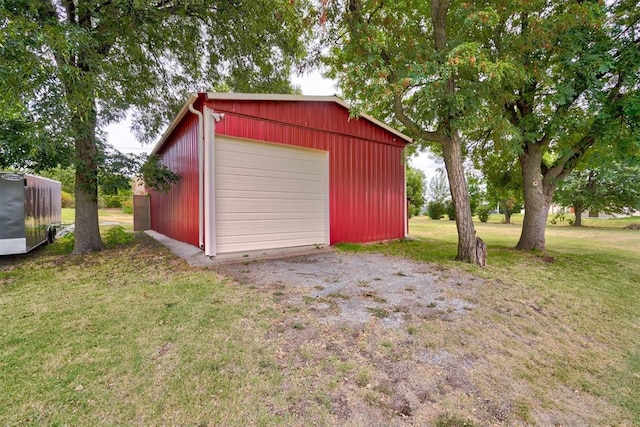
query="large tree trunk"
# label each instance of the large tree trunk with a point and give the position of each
(537, 200)
(452, 152)
(578, 213)
(453, 161)
(87, 230)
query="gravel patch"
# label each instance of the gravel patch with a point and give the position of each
(352, 288)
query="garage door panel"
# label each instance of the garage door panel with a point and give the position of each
(257, 183)
(278, 226)
(318, 238)
(269, 196)
(304, 175)
(229, 146)
(269, 244)
(257, 163)
(252, 216)
(283, 206)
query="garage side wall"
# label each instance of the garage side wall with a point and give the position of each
(366, 169)
(175, 214)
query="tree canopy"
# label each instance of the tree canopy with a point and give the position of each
(503, 182)
(612, 188)
(535, 84)
(578, 90)
(424, 65)
(70, 67)
(438, 194)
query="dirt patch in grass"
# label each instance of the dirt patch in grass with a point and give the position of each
(385, 339)
(350, 289)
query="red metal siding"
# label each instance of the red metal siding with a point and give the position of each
(326, 116)
(366, 169)
(175, 214)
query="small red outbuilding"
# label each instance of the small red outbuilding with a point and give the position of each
(273, 171)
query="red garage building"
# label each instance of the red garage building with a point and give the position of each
(274, 171)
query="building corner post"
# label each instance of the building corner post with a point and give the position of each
(201, 138)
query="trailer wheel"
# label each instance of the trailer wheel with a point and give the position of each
(51, 235)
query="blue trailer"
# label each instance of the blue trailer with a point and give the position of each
(30, 211)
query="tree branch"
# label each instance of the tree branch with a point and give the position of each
(413, 127)
(70, 7)
(398, 109)
(439, 9)
(567, 163)
(49, 11)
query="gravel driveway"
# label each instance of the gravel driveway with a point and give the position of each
(351, 288)
(382, 340)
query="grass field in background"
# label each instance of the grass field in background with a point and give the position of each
(113, 216)
(131, 335)
(587, 239)
(564, 221)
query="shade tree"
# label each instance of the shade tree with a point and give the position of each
(438, 195)
(416, 182)
(70, 67)
(426, 67)
(503, 180)
(579, 91)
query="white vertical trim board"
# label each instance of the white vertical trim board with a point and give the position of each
(269, 196)
(209, 183)
(406, 213)
(327, 221)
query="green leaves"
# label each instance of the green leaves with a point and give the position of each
(524, 82)
(69, 68)
(386, 53)
(611, 188)
(415, 190)
(117, 169)
(122, 55)
(156, 175)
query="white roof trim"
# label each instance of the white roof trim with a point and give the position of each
(308, 98)
(268, 97)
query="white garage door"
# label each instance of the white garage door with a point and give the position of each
(269, 196)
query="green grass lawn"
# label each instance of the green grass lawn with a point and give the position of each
(128, 336)
(588, 280)
(111, 216)
(595, 234)
(131, 335)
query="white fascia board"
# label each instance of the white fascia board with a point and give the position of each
(327, 201)
(399, 134)
(42, 178)
(302, 98)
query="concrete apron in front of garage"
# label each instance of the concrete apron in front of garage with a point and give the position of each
(195, 257)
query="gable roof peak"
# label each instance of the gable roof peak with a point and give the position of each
(302, 98)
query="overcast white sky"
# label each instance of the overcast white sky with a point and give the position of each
(120, 136)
